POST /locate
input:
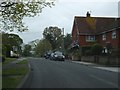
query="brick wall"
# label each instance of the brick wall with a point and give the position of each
(102, 60)
(109, 39)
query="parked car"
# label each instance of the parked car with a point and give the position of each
(51, 56)
(58, 56)
(47, 55)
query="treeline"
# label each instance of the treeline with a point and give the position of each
(53, 40)
(11, 43)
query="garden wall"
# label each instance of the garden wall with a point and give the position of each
(104, 60)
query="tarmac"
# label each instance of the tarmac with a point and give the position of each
(112, 69)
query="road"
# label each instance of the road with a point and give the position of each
(66, 74)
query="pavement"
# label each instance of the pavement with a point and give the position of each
(12, 64)
(112, 69)
(18, 60)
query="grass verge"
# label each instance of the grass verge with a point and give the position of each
(12, 77)
(23, 62)
(11, 82)
(8, 60)
(15, 71)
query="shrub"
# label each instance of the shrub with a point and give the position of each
(86, 50)
(96, 49)
(76, 55)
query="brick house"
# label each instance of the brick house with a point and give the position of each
(103, 30)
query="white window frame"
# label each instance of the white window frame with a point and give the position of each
(114, 34)
(90, 38)
(104, 37)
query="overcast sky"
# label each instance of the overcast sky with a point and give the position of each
(62, 15)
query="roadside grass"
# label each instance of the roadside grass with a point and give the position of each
(15, 71)
(23, 62)
(12, 77)
(8, 60)
(11, 82)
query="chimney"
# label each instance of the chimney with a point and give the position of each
(88, 14)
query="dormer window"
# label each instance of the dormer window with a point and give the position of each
(114, 35)
(104, 37)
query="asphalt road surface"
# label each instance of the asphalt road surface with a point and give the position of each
(65, 74)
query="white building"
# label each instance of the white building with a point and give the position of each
(33, 44)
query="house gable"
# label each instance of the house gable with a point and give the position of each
(95, 26)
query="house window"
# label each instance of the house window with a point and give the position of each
(104, 37)
(114, 34)
(105, 50)
(90, 38)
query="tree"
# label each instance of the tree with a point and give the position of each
(54, 36)
(67, 41)
(13, 12)
(26, 51)
(76, 54)
(43, 46)
(10, 42)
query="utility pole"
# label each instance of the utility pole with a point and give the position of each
(63, 40)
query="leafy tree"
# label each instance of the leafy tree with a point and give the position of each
(13, 12)
(43, 46)
(54, 36)
(12, 39)
(9, 41)
(27, 49)
(96, 49)
(67, 41)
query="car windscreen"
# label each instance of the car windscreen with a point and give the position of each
(58, 53)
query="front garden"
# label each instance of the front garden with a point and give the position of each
(95, 54)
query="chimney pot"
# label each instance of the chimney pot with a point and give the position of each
(88, 14)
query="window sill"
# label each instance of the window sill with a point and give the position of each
(90, 40)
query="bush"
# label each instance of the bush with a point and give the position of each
(96, 49)
(86, 50)
(76, 55)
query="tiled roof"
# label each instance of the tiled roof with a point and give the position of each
(95, 25)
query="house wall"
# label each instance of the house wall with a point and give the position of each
(83, 42)
(114, 42)
(82, 38)
(74, 34)
(109, 39)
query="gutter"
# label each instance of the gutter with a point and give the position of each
(100, 32)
